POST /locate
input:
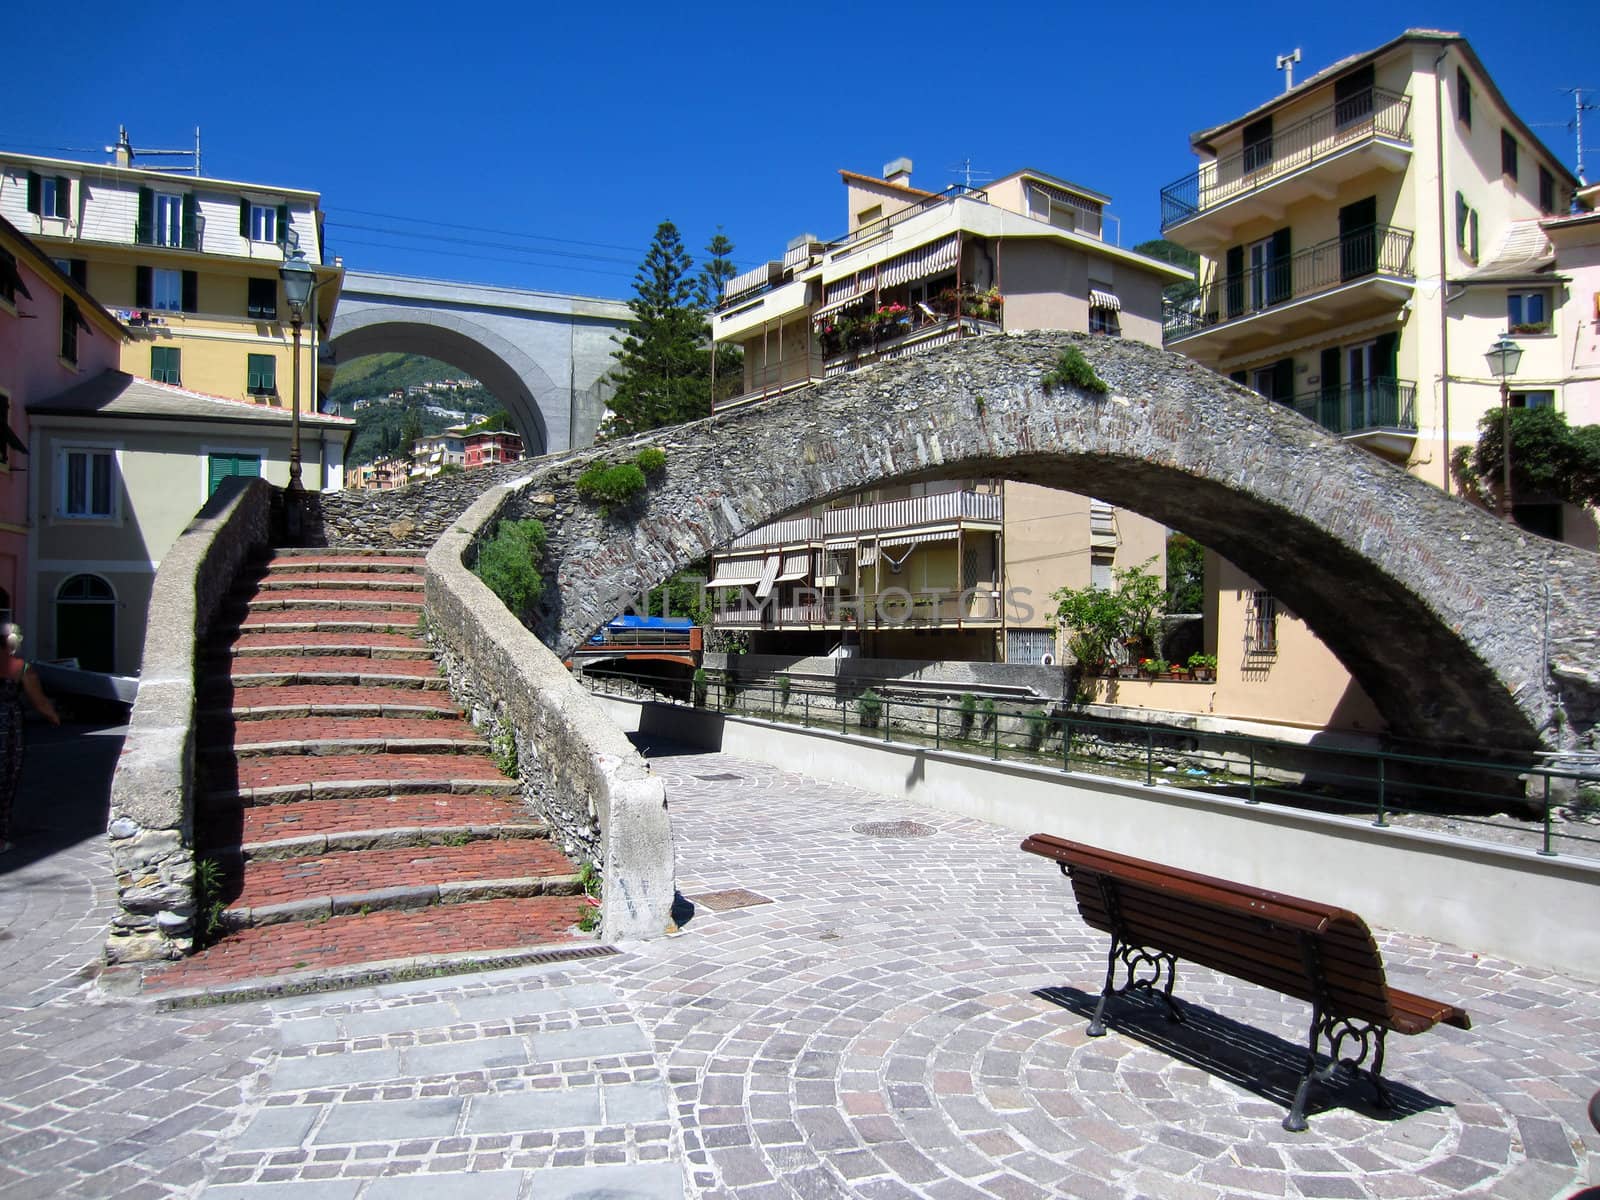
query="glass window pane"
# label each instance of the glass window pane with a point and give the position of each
(77, 468)
(102, 485)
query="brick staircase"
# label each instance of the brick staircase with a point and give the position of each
(354, 816)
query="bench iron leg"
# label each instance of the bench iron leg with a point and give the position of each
(1367, 1036)
(1097, 1025)
(1295, 1122)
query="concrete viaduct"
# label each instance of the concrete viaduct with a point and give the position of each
(1464, 630)
(544, 356)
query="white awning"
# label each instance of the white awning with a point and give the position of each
(1099, 299)
(851, 286)
(909, 539)
(795, 566)
(769, 576)
(829, 309)
(737, 572)
(933, 259)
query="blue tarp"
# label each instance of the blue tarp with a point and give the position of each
(632, 622)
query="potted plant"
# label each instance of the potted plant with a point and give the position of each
(1153, 666)
(1204, 666)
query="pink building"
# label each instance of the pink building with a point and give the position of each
(53, 335)
(492, 448)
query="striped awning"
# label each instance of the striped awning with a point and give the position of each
(737, 572)
(834, 306)
(918, 539)
(749, 281)
(932, 259)
(794, 566)
(1100, 299)
(769, 576)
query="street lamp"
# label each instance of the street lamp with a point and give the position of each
(1504, 358)
(298, 283)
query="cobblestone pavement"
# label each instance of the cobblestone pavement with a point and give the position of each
(867, 1001)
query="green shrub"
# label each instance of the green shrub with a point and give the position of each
(1072, 369)
(701, 683)
(607, 486)
(504, 750)
(988, 716)
(208, 899)
(969, 712)
(650, 460)
(870, 706)
(509, 564)
(1038, 726)
(783, 691)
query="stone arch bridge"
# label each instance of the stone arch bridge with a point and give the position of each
(1464, 631)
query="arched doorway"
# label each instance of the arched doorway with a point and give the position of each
(86, 623)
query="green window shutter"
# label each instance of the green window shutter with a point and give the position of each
(244, 219)
(78, 268)
(191, 292)
(1280, 281)
(35, 199)
(144, 227)
(63, 196)
(191, 222)
(1283, 381)
(1234, 270)
(283, 224)
(262, 374)
(143, 288)
(1385, 356)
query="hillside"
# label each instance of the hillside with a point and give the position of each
(379, 374)
(381, 428)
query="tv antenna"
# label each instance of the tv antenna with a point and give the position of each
(1286, 64)
(126, 153)
(969, 175)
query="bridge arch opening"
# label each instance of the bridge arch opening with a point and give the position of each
(500, 367)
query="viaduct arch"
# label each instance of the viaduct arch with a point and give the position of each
(543, 356)
(1462, 629)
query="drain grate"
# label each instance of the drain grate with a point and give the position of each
(894, 829)
(730, 898)
(724, 777)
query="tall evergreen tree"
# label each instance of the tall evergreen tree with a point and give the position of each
(717, 271)
(662, 376)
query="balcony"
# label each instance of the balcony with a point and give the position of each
(1368, 131)
(1363, 274)
(901, 340)
(887, 516)
(887, 610)
(1379, 413)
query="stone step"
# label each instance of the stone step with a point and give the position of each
(345, 552)
(308, 889)
(338, 580)
(344, 599)
(310, 700)
(327, 735)
(286, 779)
(399, 937)
(374, 645)
(333, 620)
(346, 563)
(359, 816)
(334, 671)
(350, 841)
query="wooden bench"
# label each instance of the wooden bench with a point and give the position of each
(1157, 914)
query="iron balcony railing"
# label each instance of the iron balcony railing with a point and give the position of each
(885, 516)
(1375, 250)
(867, 610)
(1355, 407)
(1367, 114)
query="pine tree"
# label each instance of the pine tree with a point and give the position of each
(718, 270)
(663, 367)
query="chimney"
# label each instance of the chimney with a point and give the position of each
(898, 172)
(123, 148)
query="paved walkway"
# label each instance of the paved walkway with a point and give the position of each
(868, 1001)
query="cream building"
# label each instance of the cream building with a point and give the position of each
(954, 570)
(189, 264)
(1365, 237)
(118, 467)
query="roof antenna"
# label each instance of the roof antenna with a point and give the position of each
(970, 174)
(1286, 64)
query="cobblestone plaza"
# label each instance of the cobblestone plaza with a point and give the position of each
(866, 1000)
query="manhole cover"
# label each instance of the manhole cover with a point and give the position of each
(730, 898)
(724, 777)
(893, 829)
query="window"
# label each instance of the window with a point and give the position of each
(868, 215)
(1538, 399)
(224, 466)
(166, 290)
(164, 364)
(1062, 216)
(1547, 191)
(1466, 229)
(49, 195)
(263, 223)
(1528, 312)
(70, 320)
(1463, 98)
(1261, 632)
(86, 623)
(10, 279)
(1260, 272)
(1508, 154)
(1104, 320)
(262, 375)
(87, 479)
(168, 228)
(262, 302)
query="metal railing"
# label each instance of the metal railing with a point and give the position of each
(1376, 250)
(1387, 786)
(885, 516)
(891, 609)
(1367, 114)
(1375, 404)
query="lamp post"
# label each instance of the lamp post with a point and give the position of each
(299, 281)
(1504, 358)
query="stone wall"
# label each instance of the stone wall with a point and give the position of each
(151, 827)
(577, 768)
(909, 676)
(411, 517)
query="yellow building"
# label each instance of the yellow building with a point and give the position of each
(1364, 238)
(191, 266)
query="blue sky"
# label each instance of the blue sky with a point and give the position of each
(539, 145)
